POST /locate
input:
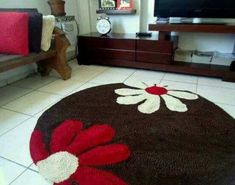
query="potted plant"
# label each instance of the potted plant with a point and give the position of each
(57, 7)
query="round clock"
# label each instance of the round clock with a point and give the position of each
(103, 25)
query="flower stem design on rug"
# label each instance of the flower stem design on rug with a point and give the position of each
(74, 152)
(151, 95)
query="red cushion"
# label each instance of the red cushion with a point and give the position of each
(14, 33)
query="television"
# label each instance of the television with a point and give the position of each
(194, 8)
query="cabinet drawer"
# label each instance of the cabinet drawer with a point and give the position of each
(92, 42)
(154, 46)
(153, 57)
(110, 54)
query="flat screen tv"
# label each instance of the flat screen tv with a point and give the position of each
(195, 8)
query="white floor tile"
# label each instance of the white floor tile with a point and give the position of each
(148, 77)
(82, 75)
(147, 74)
(228, 108)
(215, 82)
(9, 171)
(10, 93)
(94, 68)
(121, 70)
(61, 87)
(35, 81)
(109, 78)
(15, 143)
(217, 94)
(32, 103)
(85, 86)
(30, 178)
(10, 119)
(180, 86)
(74, 65)
(180, 78)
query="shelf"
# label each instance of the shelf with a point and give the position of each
(117, 12)
(207, 28)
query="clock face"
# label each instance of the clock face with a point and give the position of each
(103, 26)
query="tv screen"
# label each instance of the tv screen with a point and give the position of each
(195, 8)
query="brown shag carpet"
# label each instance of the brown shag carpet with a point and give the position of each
(193, 147)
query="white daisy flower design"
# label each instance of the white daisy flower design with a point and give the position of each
(151, 97)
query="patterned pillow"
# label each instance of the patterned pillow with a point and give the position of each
(14, 33)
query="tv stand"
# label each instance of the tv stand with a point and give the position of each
(153, 53)
(178, 20)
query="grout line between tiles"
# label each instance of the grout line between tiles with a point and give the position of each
(18, 176)
(34, 89)
(17, 97)
(9, 160)
(217, 86)
(194, 83)
(129, 76)
(162, 78)
(15, 111)
(15, 126)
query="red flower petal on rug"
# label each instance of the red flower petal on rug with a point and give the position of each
(92, 176)
(38, 149)
(63, 135)
(68, 142)
(91, 137)
(104, 155)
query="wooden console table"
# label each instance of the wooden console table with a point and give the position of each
(149, 53)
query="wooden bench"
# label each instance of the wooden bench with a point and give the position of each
(55, 58)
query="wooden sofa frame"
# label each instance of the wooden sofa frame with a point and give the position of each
(55, 58)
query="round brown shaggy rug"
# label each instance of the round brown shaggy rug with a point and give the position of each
(135, 135)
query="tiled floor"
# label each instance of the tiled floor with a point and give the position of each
(22, 103)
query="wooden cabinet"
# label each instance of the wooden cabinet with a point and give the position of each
(124, 47)
(148, 53)
(152, 51)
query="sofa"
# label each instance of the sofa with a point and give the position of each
(27, 45)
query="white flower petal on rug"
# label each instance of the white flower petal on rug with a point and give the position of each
(152, 95)
(58, 167)
(127, 92)
(130, 100)
(152, 104)
(174, 104)
(183, 95)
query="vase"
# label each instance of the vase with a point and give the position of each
(57, 7)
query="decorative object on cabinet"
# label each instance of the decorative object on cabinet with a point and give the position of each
(70, 27)
(57, 7)
(125, 4)
(122, 7)
(107, 4)
(103, 25)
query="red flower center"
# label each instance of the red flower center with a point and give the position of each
(156, 90)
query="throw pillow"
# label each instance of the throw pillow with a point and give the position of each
(14, 33)
(47, 30)
(35, 32)
(35, 26)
